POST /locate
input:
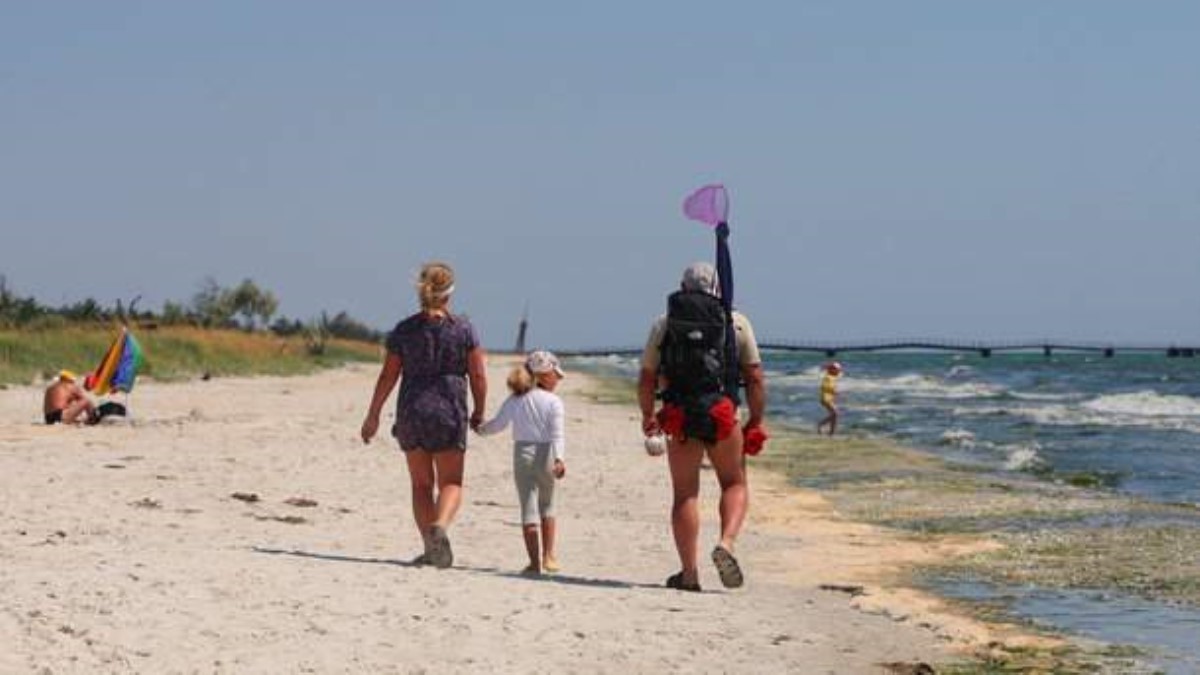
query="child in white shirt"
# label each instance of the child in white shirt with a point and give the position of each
(536, 414)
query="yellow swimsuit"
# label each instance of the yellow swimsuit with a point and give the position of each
(828, 389)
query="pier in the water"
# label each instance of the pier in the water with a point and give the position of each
(984, 349)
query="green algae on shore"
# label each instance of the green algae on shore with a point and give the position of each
(1045, 528)
(1053, 535)
(1155, 562)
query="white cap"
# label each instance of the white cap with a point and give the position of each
(542, 361)
(700, 276)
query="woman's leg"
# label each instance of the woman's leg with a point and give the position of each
(684, 460)
(448, 465)
(421, 477)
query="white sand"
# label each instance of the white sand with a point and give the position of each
(121, 550)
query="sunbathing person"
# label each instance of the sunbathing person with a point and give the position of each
(66, 402)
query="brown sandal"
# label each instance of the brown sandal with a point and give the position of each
(676, 581)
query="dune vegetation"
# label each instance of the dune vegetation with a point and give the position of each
(220, 331)
(173, 352)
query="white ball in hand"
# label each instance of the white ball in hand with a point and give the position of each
(656, 445)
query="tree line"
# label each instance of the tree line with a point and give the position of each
(246, 306)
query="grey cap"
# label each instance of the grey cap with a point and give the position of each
(700, 276)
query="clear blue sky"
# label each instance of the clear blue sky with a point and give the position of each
(960, 169)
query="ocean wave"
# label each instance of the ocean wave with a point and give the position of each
(810, 377)
(606, 362)
(961, 438)
(1023, 457)
(982, 411)
(959, 371)
(1146, 403)
(1030, 396)
(921, 386)
(1085, 415)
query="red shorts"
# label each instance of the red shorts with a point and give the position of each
(703, 420)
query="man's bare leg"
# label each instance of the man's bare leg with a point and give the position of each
(726, 458)
(78, 412)
(684, 460)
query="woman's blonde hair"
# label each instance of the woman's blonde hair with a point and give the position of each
(435, 285)
(520, 380)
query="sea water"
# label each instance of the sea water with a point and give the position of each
(1128, 424)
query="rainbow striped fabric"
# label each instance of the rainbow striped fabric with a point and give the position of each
(119, 367)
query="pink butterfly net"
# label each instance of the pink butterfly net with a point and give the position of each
(709, 204)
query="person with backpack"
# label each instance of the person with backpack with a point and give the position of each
(689, 364)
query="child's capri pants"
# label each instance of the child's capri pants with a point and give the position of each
(532, 470)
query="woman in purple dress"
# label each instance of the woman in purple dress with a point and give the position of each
(439, 355)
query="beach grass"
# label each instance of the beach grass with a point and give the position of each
(171, 353)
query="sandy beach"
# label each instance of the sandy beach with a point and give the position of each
(123, 549)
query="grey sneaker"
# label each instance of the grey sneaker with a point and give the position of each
(440, 554)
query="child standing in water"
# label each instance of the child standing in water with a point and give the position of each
(829, 397)
(536, 414)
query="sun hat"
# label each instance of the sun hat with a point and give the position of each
(66, 376)
(700, 276)
(542, 361)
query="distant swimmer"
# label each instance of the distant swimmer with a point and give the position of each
(833, 371)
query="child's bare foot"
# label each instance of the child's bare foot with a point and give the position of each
(531, 570)
(550, 564)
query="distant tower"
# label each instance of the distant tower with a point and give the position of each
(524, 325)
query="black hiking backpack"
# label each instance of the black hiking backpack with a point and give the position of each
(693, 350)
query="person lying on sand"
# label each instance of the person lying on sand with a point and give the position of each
(66, 402)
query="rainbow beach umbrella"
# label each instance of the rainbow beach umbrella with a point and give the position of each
(119, 367)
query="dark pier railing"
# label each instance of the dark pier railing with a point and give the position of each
(983, 348)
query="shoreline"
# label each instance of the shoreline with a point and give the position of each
(123, 541)
(136, 547)
(902, 522)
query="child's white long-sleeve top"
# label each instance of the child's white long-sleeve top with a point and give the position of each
(536, 416)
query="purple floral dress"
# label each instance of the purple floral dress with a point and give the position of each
(431, 410)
